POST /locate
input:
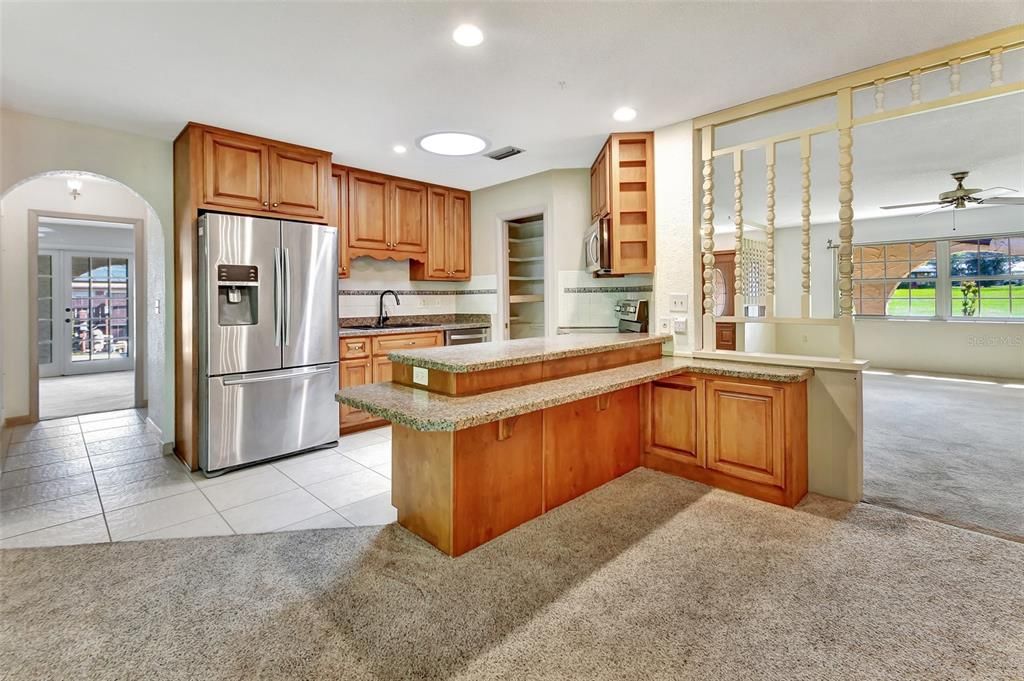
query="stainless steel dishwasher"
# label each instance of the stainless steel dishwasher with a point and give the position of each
(467, 336)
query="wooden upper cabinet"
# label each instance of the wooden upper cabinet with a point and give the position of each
(448, 231)
(600, 185)
(438, 202)
(337, 216)
(254, 175)
(622, 188)
(298, 181)
(234, 171)
(459, 242)
(408, 232)
(746, 431)
(368, 211)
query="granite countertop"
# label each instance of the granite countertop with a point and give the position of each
(467, 358)
(444, 322)
(426, 411)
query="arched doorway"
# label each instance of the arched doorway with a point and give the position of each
(46, 199)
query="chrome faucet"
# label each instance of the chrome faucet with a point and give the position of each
(382, 317)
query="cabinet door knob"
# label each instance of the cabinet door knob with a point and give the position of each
(267, 203)
(275, 205)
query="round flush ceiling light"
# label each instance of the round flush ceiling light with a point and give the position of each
(399, 149)
(453, 144)
(468, 35)
(624, 114)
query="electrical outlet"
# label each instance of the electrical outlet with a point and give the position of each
(665, 325)
(679, 325)
(678, 302)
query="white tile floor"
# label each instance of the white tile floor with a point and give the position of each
(102, 477)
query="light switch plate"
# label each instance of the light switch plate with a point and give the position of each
(679, 302)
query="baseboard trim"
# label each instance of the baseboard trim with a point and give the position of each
(12, 421)
(151, 427)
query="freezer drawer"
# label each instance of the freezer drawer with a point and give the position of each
(259, 416)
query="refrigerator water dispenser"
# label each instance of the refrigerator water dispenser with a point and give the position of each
(238, 292)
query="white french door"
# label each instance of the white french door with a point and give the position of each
(85, 312)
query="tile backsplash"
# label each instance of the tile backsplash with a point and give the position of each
(359, 295)
(582, 299)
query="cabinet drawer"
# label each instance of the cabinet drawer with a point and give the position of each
(353, 348)
(406, 341)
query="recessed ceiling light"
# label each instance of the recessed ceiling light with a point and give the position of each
(468, 35)
(399, 149)
(452, 144)
(624, 114)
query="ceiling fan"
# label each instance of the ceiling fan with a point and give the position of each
(961, 197)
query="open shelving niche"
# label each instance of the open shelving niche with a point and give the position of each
(526, 277)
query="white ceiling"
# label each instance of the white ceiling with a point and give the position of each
(357, 78)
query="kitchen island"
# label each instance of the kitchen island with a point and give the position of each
(487, 437)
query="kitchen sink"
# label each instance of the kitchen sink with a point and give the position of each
(375, 327)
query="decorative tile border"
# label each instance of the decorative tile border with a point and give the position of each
(412, 292)
(610, 289)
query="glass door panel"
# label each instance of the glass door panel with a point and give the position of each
(99, 317)
(46, 307)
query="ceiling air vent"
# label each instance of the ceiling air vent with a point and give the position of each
(504, 152)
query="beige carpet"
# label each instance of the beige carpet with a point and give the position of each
(944, 450)
(649, 577)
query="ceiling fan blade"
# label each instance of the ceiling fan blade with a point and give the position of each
(1003, 201)
(929, 212)
(999, 191)
(914, 205)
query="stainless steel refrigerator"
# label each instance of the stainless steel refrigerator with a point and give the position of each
(268, 348)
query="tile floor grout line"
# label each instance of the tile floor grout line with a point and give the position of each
(135, 537)
(46, 501)
(170, 496)
(50, 527)
(96, 487)
(40, 482)
(271, 497)
(217, 510)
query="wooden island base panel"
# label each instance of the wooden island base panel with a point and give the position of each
(466, 469)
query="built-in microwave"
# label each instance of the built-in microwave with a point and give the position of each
(597, 247)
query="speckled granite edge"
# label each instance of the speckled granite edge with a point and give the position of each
(470, 358)
(425, 411)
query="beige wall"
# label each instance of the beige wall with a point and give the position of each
(526, 193)
(675, 248)
(99, 197)
(32, 145)
(564, 194)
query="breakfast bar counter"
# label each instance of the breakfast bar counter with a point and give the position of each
(487, 437)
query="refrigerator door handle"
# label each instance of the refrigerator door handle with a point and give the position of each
(278, 377)
(286, 321)
(278, 298)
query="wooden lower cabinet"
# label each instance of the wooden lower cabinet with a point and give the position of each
(746, 436)
(745, 431)
(590, 442)
(459, 490)
(355, 372)
(381, 370)
(675, 406)
(364, 359)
